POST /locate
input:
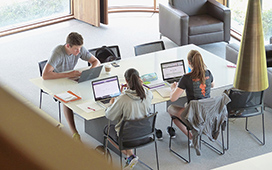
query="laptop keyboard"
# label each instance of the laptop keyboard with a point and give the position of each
(105, 101)
(172, 81)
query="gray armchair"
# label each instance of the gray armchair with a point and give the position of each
(194, 21)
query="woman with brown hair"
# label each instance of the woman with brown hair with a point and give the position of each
(197, 83)
(133, 103)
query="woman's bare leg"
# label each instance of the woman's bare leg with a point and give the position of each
(174, 110)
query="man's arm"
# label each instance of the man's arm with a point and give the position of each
(94, 61)
(48, 73)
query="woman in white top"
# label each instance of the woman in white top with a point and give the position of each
(133, 103)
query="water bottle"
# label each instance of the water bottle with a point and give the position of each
(189, 69)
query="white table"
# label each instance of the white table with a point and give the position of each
(259, 162)
(148, 63)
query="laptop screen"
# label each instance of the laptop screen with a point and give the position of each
(172, 69)
(90, 74)
(106, 88)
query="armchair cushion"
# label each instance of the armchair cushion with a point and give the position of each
(201, 24)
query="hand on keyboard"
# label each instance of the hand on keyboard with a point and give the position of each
(174, 85)
(112, 100)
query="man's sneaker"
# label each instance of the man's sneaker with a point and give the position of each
(171, 132)
(159, 134)
(131, 162)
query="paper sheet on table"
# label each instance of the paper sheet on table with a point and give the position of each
(66, 96)
(89, 107)
(164, 91)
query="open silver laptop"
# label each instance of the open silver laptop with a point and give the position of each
(172, 71)
(88, 74)
(105, 89)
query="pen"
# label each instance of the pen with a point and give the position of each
(231, 66)
(91, 108)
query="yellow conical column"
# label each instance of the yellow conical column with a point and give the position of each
(251, 71)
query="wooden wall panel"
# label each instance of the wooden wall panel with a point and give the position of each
(224, 2)
(87, 11)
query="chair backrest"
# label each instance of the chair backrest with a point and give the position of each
(206, 108)
(114, 48)
(134, 130)
(190, 7)
(149, 47)
(41, 66)
(244, 100)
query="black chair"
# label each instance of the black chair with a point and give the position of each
(149, 48)
(244, 105)
(41, 67)
(114, 48)
(133, 134)
(210, 108)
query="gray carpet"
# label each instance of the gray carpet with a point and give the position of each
(21, 52)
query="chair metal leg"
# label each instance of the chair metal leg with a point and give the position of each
(157, 160)
(189, 160)
(223, 142)
(120, 153)
(206, 143)
(145, 164)
(40, 99)
(170, 139)
(220, 143)
(227, 134)
(40, 106)
(157, 157)
(189, 147)
(246, 127)
(104, 141)
(59, 112)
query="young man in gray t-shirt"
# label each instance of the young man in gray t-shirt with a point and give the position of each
(63, 59)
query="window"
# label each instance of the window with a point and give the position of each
(130, 3)
(135, 4)
(238, 12)
(17, 13)
(267, 18)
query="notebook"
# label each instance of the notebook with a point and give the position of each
(88, 74)
(105, 89)
(172, 71)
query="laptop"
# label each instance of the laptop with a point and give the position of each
(172, 71)
(105, 89)
(88, 74)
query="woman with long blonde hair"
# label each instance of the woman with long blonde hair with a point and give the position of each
(197, 83)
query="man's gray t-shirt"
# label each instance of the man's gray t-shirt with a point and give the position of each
(61, 61)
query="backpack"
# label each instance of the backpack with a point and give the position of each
(105, 54)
